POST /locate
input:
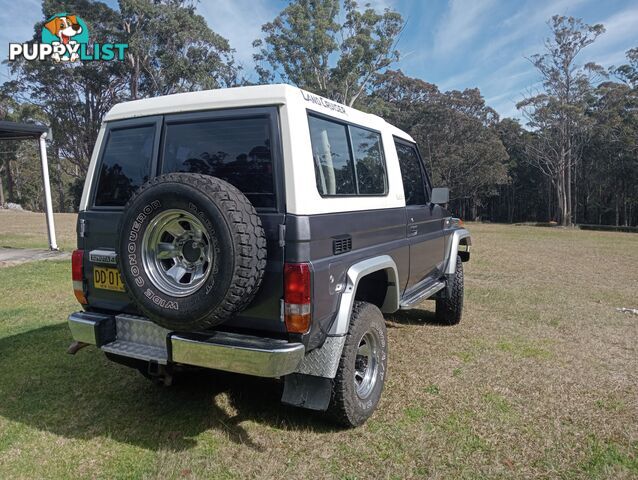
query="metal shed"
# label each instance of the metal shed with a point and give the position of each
(26, 131)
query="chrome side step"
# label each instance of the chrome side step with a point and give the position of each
(417, 297)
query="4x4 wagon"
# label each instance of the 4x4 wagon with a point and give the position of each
(260, 230)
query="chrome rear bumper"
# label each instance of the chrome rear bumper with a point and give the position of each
(137, 337)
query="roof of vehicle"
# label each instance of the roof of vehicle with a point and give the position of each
(250, 96)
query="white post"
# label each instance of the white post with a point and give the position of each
(53, 245)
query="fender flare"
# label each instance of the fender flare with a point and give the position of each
(355, 273)
(458, 237)
(324, 361)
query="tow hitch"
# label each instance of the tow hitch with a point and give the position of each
(75, 347)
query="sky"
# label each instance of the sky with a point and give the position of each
(455, 44)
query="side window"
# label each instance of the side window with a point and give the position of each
(413, 184)
(126, 163)
(348, 160)
(236, 150)
(333, 162)
(369, 164)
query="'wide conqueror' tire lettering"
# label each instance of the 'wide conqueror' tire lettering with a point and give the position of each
(237, 243)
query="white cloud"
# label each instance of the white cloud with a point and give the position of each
(461, 80)
(240, 22)
(529, 23)
(461, 23)
(620, 36)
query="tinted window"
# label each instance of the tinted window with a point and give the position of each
(368, 157)
(333, 163)
(126, 164)
(235, 150)
(342, 168)
(412, 175)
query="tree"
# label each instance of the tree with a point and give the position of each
(628, 73)
(455, 130)
(527, 196)
(308, 45)
(557, 114)
(19, 159)
(74, 96)
(610, 162)
(172, 49)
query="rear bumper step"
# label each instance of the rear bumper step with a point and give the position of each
(137, 337)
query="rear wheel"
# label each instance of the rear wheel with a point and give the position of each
(358, 385)
(450, 308)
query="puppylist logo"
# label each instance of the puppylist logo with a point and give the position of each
(66, 38)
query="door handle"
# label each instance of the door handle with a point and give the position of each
(412, 230)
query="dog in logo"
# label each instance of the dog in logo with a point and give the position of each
(65, 28)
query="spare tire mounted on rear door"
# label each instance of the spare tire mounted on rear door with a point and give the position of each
(192, 250)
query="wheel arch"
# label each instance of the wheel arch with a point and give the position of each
(460, 243)
(324, 361)
(356, 276)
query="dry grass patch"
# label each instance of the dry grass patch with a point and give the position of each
(540, 379)
(29, 229)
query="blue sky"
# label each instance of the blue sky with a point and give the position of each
(454, 43)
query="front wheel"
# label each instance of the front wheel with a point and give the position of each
(357, 387)
(450, 308)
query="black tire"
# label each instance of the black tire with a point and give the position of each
(347, 406)
(450, 309)
(234, 238)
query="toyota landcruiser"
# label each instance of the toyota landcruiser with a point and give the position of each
(262, 230)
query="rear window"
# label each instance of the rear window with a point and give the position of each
(126, 163)
(235, 150)
(348, 159)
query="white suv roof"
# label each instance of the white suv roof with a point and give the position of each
(252, 96)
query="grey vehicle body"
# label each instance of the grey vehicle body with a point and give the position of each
(393, 257)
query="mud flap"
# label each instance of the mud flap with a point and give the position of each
(307, 391)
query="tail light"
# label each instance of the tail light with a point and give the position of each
(77, 275)
(297, 297)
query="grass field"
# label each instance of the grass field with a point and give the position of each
(540, 379)
(29, 229)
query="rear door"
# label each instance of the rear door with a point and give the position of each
(424, 219)
(241, 146)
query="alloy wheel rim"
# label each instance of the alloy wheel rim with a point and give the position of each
(177, 253)
(366, 366)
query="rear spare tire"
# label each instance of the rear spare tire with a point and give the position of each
(192, 250)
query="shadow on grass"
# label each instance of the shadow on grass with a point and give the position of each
(86, 396)
(415, 316)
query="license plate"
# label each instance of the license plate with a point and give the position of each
(107, 279)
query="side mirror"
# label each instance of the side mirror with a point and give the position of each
(440, 196)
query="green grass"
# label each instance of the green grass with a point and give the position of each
(538, 381)
(606, 459)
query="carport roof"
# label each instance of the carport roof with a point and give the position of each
(20, 131)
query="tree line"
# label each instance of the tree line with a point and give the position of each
(573, 158)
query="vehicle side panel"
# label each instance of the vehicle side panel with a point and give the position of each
(311, 239)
